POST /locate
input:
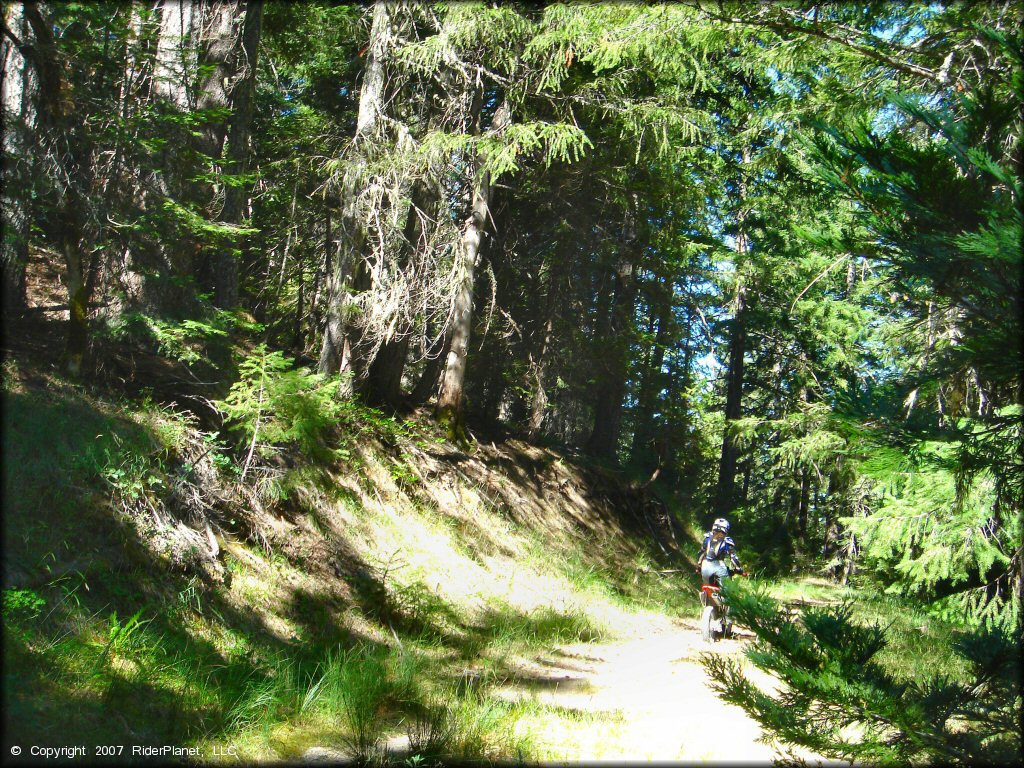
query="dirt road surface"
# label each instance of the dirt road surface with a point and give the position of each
(644, 697)
(651, 697)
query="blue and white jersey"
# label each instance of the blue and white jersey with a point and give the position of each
(719, 550)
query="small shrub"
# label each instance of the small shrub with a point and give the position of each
(22, 605)
(274, 404)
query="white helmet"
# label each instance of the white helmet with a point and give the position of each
(721, 524)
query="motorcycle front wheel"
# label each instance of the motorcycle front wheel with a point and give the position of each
(707, 621)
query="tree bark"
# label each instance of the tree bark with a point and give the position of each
(71, 173)
(336, 352)
(450, 400)
(225, 265)
(725, 495)
(20, 87)
(429, 380)
(159, 267)
(802, 510)
(653, 381)
(171, 74)
(604, 437)
(539, 400)
(383, 384)
(219, 39)
(725, 492)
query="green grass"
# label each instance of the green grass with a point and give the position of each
(918, 646)
(505, 627)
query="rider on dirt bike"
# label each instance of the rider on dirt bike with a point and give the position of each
(717, 546)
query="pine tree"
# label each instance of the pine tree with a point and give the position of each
(840, 702)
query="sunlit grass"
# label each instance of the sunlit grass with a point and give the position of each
(558, 733)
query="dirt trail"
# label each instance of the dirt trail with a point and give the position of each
(644, 697)
(656, 692)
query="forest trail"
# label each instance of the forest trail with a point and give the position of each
(652, 684)
(642, 697)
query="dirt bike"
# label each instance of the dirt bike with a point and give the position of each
(714, 620)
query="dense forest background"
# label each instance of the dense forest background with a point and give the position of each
(761, 259)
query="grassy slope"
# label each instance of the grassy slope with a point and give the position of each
(396, 587)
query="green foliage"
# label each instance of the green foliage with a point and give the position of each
(840, 702)
(274, 404)
(189, 340)
(22, 604)
(939, 543)
(122, 639)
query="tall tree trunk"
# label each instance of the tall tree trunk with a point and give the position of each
(171, 73)
(429, 380)
(539, 400)
(383, 384)
(336, 352)
(802, 510)
(225, 266)
(71, 172)
(219, 43)
(608, 403)
(450, 400)
(223, 70)
(20, 85)
(298, 337)
(114, 276)
(157, 271)
(646, 430)
(323, 268)
(725, 492)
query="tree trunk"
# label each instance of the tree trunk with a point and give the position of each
(539, 401)
(219, 39)
(158, 269)
(429, 380)
(228, 40)
(646, 430)
(171, 75)
(323, 268)
(725, 492)
(298, 337)
(71, 171)
(384, 377)
(801, 517)
(604, 438)
(450, 400)
(850, 564)
(336, 352)
(19, 123)
(70, 239)
(225, 266)
(383, 384)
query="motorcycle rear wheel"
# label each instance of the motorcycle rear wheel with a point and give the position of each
(707, 621)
